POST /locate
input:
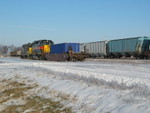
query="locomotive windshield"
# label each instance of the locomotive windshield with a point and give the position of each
(47, 42)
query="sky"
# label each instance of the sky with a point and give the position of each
(79, 21)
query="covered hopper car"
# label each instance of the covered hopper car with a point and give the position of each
(138, 47)
(94, 49)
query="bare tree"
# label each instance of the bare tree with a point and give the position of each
(3, 49)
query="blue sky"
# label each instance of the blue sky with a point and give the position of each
(23, 21)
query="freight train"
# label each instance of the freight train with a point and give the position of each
(137, 47)
(47, 50)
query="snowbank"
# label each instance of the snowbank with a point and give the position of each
(88, 87)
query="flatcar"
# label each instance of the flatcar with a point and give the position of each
(66, 52)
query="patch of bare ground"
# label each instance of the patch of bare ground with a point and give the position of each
(17, 97)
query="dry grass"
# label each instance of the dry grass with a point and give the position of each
(14, 92)
(38, 105)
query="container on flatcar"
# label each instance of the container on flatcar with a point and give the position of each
(66, 51)
(16, 53)
(95, 49)
(64, 48)
(19, 53)
(13, 53)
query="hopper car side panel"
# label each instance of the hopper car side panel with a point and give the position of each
(122, 47)
(127, 47)
(95, 49)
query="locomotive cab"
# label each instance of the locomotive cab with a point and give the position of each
(40, 48)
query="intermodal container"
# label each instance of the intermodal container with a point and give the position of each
(64, 48)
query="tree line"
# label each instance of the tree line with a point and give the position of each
(5, 50)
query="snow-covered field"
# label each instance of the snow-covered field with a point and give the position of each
(87, 87)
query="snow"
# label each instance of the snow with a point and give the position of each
(89, 86)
